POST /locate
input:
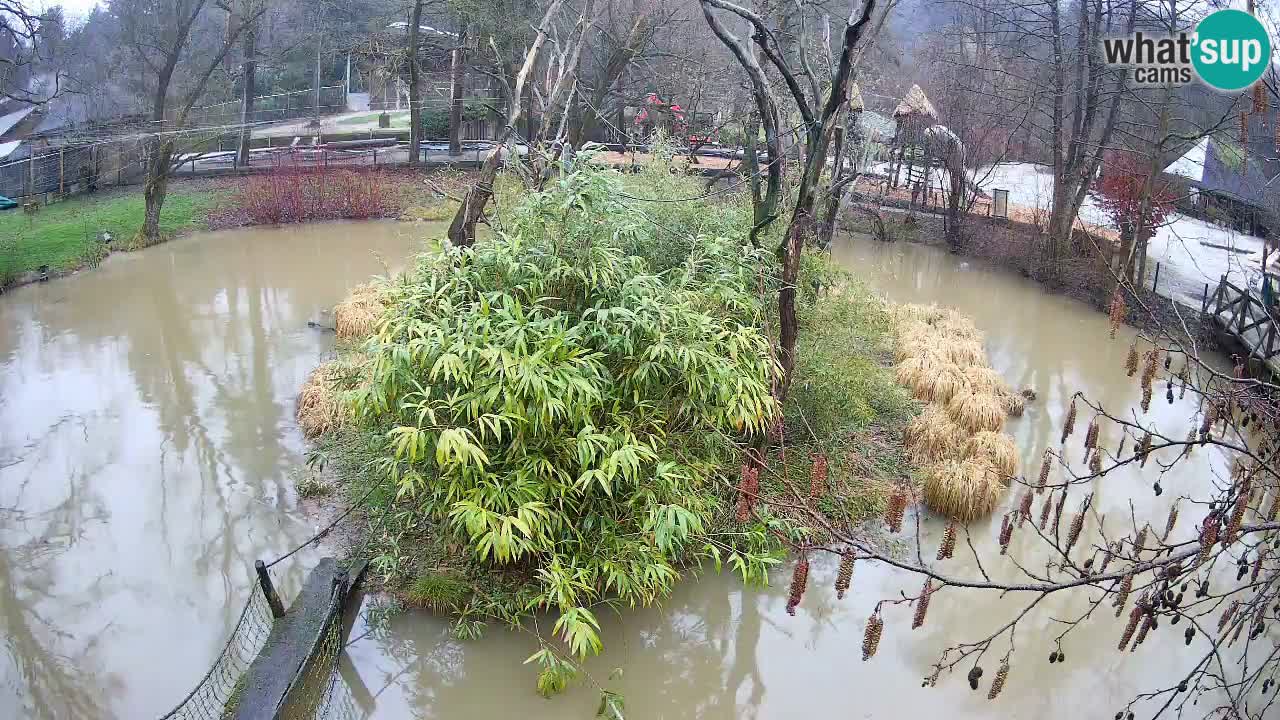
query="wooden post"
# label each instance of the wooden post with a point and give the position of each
(62, 171)
(1155, 282)
(1221, 295)
(31, 170)
(269, 589)
(1204, 300)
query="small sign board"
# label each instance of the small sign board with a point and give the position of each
(999, 203)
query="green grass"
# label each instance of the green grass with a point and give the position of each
(61, 235)
(398, 117)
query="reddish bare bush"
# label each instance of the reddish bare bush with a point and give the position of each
(300, 194)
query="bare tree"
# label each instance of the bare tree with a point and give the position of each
(462, 230)
(158, 35)
(818, 120)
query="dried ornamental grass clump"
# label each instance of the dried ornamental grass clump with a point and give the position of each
(320, 406)
(932, 436)
(941, 360)
(976, 412)
(986, 380)
(357, 316)
(995, 447)
(963, 489)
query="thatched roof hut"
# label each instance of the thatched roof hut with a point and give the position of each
(855, 98)
(914, 106)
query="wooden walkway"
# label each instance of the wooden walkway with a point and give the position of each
(1241, 315)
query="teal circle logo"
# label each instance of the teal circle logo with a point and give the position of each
(1232, 50)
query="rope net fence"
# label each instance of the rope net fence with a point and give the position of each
(214, 696)
(317, 692)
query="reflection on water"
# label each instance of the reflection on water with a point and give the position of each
(146, 447)
(147, 444)
(718, 650)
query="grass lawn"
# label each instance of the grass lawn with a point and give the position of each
(62, 235)
(398, 117)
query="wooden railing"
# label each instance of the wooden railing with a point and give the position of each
(1243, 315)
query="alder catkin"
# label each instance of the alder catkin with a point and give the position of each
(1140, 542)
(1134, 616)
(1142, 633)
(1149, 369)
(1095, 462)
(1144, 449)
(1057, 512)
(1257, 565)
(1228, 614)
(1131, 362)
(1044, 513)
(799, 579)
(845, 576)
(1122, 594)
(1208, 536)
(894, 511)
(1024, 507)
(997, 683)
(1091, 436)
(1006, 533)
(1173, 520)
(1117, 310)
(948, 546)
(1073, 534)
(922, 605)
(1044, 473)
(1069, 424)
(1237, 512)
(818, 476)
(871, 637)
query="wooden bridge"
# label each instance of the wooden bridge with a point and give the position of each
(1241, 315)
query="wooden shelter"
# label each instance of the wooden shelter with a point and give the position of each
(912, 116)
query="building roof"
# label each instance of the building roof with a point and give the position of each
(1229, 171)
(6, 149)
(1225, 169)
(915, 103)
(1191, 164)
(8, 121)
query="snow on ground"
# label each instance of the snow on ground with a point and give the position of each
(1186, 264)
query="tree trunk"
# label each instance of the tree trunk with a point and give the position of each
(415, 103)
(249, 90)
(835, 192)
(456, 76)
(955, 194)
(157, 185)
(462, 231)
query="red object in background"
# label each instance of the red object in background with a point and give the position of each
(652, 100)
(1124, 173)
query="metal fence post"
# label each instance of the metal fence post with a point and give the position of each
(1155, 282)
(269, 589)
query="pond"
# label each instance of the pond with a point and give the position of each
(148, 453)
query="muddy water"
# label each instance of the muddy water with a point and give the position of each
(147, 453)
(147, 449)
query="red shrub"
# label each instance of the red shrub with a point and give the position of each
(301, 194)
(1119, 190)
